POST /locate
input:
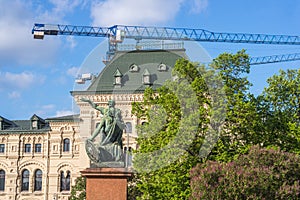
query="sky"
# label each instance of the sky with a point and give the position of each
(36, 76)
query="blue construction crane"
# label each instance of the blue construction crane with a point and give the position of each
(117, 33)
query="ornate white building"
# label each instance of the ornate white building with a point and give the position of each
(41, 158)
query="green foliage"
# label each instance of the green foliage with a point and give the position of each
(169, 142)
(78, 190)
(211, 115)
(260, 174)
(237, 132)
(279, 111)
(132, 190)
(233, 70)
(200, 110)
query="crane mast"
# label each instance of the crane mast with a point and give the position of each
(117, 33)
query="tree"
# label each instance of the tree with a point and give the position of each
(239, 130)
(260, 174)
(78, 190)
(185, 119)
(169, 142)
(279, 111)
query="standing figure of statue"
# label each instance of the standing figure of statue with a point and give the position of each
(109, 151)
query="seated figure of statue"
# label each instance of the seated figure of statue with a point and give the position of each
(110, 130)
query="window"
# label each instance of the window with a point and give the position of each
(27, 148)
(2, 180)
(128, 127)
(66, 146)
(118, 77)
(128, 156)
(34, 124)
(2, 148)
(162, 67)
(65, 181)
(38, 148)
(146, 77)
(129, 149)
(25, 180)
(38, 180)
(144, 123)
(118, 80)
(134, 68)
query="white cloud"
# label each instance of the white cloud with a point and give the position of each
(199, 6)
(17, 45)
(73, 71)
(64, 113)
(48, 107)
(59, 9)
(14, 95)
(71, 42)
(62, 7)
(19, 81)
(134, 12)
(17, 18)
(45, 109)
(141, 12)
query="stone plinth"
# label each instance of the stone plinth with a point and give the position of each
(106, 183)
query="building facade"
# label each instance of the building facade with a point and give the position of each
(41, 158)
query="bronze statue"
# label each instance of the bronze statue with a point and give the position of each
(109, 151)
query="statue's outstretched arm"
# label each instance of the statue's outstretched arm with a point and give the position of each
(102, 110)
(90, 102)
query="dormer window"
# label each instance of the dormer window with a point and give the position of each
(35, 124)
(118, 80)
(134, 68)
(118, 77)
(146, 77)
(5, 123)
(162, 67)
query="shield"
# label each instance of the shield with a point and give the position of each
(92, 151)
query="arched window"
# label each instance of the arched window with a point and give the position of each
(65, 181)
(129, 149)
(162, 67)
(134, 68)
(38, 175)
(68, 181)
(2, 180)
(128, 127)
(66, 146)
(25, 180)
(144, 123)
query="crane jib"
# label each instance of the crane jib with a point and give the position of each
(118, 33)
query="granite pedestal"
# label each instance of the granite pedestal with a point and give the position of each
(106, 183)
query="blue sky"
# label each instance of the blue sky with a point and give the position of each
(36, 76)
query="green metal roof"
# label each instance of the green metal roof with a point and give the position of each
(23, 126)
(132, 80)
(67, 118)
(146, 72)
(117, 73)
(37, 118)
